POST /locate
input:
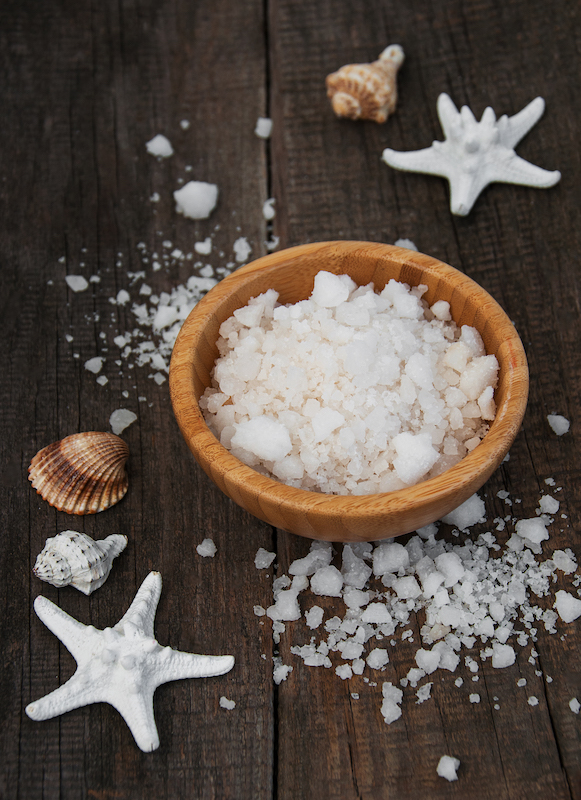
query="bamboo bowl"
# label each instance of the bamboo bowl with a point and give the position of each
(332, 517)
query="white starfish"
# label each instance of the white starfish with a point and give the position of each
(122, 665)
(475, 154)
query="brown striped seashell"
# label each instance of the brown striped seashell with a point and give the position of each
(367, 91)
(83, 473)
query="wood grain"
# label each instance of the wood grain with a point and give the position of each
(84, 87)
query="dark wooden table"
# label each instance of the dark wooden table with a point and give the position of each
(84, 86)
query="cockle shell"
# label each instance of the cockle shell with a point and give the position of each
(367, 91)
(74, 559)
(83, 473)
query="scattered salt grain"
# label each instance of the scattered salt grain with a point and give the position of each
(263, 127)
(94, 364)
(263, 558)
(558, 423)
(196, 199)
(159, 146)
(377, 658)
(521, 682)
(77, 283)
(568, 606)
(102, 380)
(474, 698)
(281, 672)
(392, 698)
(503, 655)
(533, 701)
(327, 581)
(120, 419)
(203, 248)
(184, 124)
(228, 704)
(467, 514)
(424, 693)
(314, 617)
(207, 549)
(575, 705)
(447, 767)
(241, 249)
(268, 211)
(407, 243)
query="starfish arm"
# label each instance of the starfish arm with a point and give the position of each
(448, 115)
(75, 693)
(464, 191)
(521, 172)
(428, 161)
(515, 128)
(73, 634)
(173, 665)
(141, 612)
(137, 711)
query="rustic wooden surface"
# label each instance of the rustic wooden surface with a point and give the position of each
(84, 86)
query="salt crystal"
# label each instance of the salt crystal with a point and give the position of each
(120, 419)
(281, 673)
(503, 655)
(407, 243)
(102, 380)
(263, 127)
(327, 581)
(196, 199)
(447, 767)
(264, 437)
(407, 588)
(415, 456)
(184, 124)
(344, 671)
(389, 557)
(533, 530)
(568, 606)
(565, 561)
(314, 617)
(533, 701)
(77, 283)
(558, 423)
(377, 658)
(268, 211)
(159, 146)
(241, 249)
(207, 549)
(330, 290)
(203, 248)
(228, 704)
(574, 705)
(94, 364)
(469, 513)
(392, 697)
(474, 698)
(428, 660)
(263, 558)
(424, 693)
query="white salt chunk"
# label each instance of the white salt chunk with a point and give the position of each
(407, 243)
(314, 617)
(159, 146)
(94, 364)
(447, 767)
(203, 248)
(281, 672)
(327, 581)
(558, 423)
(377, 658)
(534, 530)
(268, 211)
(263, 558)
(428, 660)
(474, 698)
(548, 504)
(568, 606)
(196, 199)
(390, 557)
(469, 513)
(407, 588)
(102, 380)
(207, 549)
(120, 419)
(76, 283)
(392, 697)
(241, 249)
(565, 561)
(574, 705)
(228, 704)
(263, 127)
(533, 701)
(376, 614)
(503, 655)
(330, 290)
(264, 437)
(344, 671)
(415, 456)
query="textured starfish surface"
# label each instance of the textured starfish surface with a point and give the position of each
(122, 665)
(475, 154)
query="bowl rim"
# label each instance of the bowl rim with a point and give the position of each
(462, 479)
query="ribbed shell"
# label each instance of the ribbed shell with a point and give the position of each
(366, 91)
(83, 473)
(74, 559)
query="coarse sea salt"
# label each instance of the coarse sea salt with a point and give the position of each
(350, 391)
(447, 768)
(263, 127)
(473, 594)
(207, 548)
(558, 423)
(77, 283)
(196, 199)
(120, 419)
(159, 146)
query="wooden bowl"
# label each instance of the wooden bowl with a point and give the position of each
(342, 517)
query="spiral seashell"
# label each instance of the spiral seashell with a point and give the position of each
(74, 559)
(366, 91)
(83, 473)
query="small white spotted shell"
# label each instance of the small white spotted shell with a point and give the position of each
(74, 559)
(83, 473)
(367, 91)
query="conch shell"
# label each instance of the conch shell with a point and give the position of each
(74, 559)
(367, 91)
(83, 473)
